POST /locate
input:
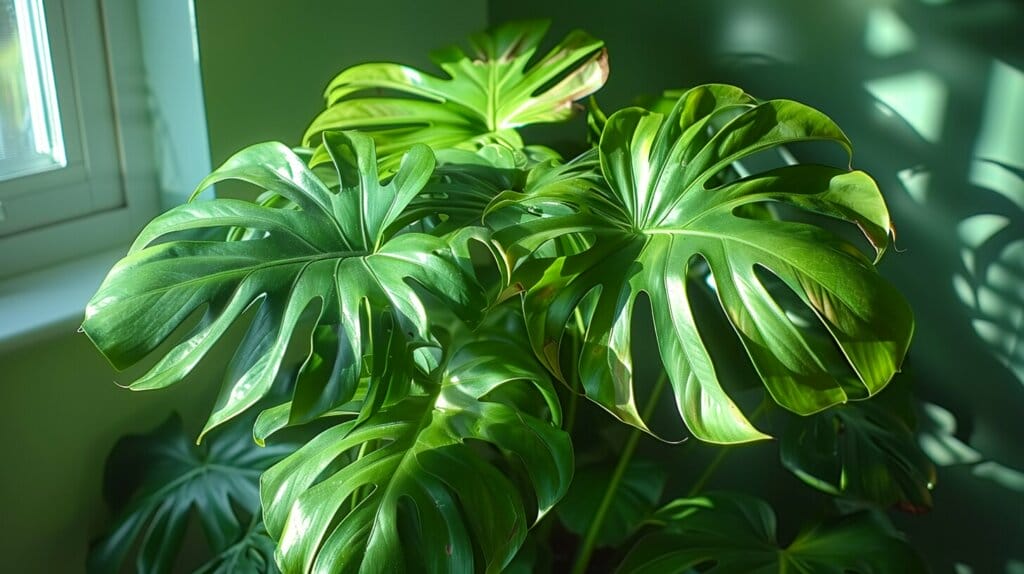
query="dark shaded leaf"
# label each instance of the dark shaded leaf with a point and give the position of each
(863, 449)
(253, 554)
(169, 479)
(731, 533)
(634, 501)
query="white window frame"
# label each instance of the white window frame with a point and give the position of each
(88, 182)
(108, 104)
(134, 68)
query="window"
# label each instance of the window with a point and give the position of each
(30, 136)
(102, 123)
(76, 163)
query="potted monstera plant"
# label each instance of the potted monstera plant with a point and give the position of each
(440, 314)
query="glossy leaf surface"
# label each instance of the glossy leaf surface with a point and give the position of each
(334, 254)
(166, 480)
(724, 533)
(667, 211)
(425, 485)
(487, 93)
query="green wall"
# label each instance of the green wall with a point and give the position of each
(62, 415)
(926, 90)
(265, 63)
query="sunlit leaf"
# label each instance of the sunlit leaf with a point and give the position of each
(425, 485)
(497, 87)
(334, 257)
(665, 211)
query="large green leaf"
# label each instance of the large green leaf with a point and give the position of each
(428, 484)
(723, 534)
(165, 479)
(336, 255)
(864, 449)
(665, 212)
(486, 95)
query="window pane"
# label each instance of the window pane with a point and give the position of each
(30, 136)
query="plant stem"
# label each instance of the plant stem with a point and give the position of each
(590, 540)
(570, 417)
(723, 451)
(357, 494)
(574, 377)
(709, 470)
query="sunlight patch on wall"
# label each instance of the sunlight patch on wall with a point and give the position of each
(1002, 475)
(915, 181)
(937, 438)
(752, 29)
(977, 229)
(919, 97)
(999, 179)
(886, 34)
(1001, 137)
(991, 286)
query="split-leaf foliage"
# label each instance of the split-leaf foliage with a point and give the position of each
(431, 294)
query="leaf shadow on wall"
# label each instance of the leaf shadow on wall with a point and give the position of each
(930, 111)
(929, 91)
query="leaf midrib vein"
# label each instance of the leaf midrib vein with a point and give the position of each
(306, 260)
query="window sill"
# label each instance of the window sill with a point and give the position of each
(50, 302)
